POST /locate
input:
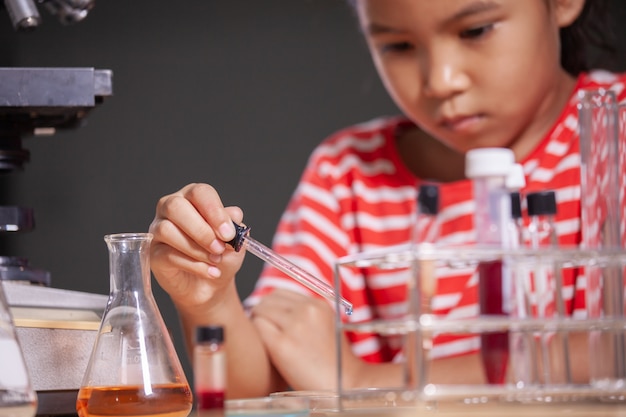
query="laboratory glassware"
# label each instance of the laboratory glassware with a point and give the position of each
(17, 397)
(515, 181)
(209, 369)
(603, 227)
(522, 352)
(243, 240)
(548, 284)
(133, 369)
(488, 168)
(422, 283)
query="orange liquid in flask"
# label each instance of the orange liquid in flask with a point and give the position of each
(171, 400)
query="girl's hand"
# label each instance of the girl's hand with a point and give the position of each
(189, 256)
(299, 334)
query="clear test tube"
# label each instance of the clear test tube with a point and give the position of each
(603, 226)
(523, 356)
(548, 280)
(422, 284)
(488, 169)
(209, 369)
(514, 182)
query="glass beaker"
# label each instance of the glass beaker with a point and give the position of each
(17, 397)
(133, 369)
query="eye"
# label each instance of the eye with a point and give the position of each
(395, 47)
(476, 32)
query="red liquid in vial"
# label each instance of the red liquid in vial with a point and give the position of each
(210, 399)
(494, 347)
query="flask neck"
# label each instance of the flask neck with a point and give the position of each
(129, 262)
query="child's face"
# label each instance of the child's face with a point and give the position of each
(471, 73)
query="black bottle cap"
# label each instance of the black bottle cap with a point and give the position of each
(516, 205)
(428, 199)
(541, 202)
(214, 334)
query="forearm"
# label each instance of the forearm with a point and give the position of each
(250, 372)
(464, 369)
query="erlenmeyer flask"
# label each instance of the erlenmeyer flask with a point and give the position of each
(17, 397)
(133, 369)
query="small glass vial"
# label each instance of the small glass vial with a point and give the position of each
(209, 366)
(425, 232)
(422, 286)
(133, 370)
(548, 282)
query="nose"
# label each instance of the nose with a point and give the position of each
(444, 74)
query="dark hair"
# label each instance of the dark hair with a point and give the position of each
(587, 38)
(587, 42)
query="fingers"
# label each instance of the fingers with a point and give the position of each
(190, 229)
(169, 261)
(198, 212)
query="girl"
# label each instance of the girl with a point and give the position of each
(466, 74)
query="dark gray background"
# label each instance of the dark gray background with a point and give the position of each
(235, 93)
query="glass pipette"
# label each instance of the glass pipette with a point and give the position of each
(243, 240)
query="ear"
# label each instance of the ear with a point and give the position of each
(567, 11)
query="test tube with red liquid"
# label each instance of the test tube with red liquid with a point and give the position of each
(488, 168)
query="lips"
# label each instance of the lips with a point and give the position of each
(461, 123)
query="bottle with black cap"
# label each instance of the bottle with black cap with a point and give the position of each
(209, 368)
(541, 210)
(426, 227)
(422, 285)
(548, 283)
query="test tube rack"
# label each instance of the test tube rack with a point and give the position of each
(597, 394)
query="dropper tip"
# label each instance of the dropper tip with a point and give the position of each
(347, 308)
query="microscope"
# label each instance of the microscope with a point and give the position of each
(56, 328)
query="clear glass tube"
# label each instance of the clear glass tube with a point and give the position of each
(548, 281)
(294, 271)
(422, 283)
(603, 225)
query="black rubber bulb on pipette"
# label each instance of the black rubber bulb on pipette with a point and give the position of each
(240, 233)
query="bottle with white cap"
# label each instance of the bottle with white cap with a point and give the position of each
(488, 168)
(522, 344)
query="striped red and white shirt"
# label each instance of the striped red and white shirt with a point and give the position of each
(356, 195)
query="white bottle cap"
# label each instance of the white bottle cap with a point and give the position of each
(487, 162)
(515, 180)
